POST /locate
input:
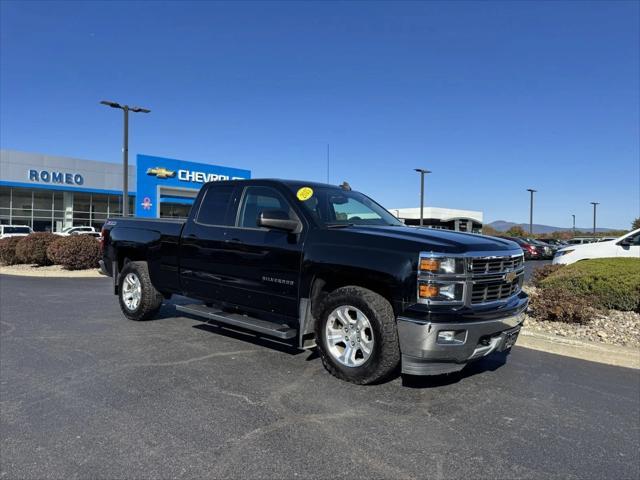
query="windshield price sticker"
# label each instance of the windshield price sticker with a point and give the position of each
(305, 193)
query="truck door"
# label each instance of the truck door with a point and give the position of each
(202, 247)
(263, 266)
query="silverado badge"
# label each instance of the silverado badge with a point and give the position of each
(161, 172)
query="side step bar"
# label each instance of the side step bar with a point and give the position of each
(283, 332)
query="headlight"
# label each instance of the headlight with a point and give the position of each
(560, 253)
(444, 265)
(440, 291)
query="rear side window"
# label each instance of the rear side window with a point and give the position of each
(214, 206)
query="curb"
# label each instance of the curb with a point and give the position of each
(42, 273)
(594, 352)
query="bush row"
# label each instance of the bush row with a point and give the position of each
(75, 252)
(573, 293)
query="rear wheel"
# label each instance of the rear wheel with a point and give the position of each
(357, 336)
(139, 300)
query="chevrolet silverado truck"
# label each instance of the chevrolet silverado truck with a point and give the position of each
(323, 266)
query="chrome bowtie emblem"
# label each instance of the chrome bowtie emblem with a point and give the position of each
(510, 277)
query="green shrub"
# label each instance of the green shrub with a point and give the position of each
(540, 273)
(607, 282)
(33, 248)
(75, 252)
(8, 250)
(560, 305)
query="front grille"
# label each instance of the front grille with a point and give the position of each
(496, 264)
(496, 290)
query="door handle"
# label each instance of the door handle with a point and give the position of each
(233, 240)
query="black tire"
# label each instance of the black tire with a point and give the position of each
(150, 299)
(385, 355)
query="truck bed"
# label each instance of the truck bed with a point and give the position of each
(155, 240)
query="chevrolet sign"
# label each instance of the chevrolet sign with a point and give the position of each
(161, 172)
(203, 177)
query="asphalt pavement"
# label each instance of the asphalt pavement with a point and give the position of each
(531, 265)
(85, 393)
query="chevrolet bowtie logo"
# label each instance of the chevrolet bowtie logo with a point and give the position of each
(510, 277)
(161, 172)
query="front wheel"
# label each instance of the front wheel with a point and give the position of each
(139, 300)
(357, 336)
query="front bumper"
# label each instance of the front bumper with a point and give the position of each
(423, 354)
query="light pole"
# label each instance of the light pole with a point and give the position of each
(422, 172)
(125, 150)
(574, 225)
(531, 210)
(595, 204)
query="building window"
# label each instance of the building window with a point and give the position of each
(42, 210)
(99, 210)
(21, 201)
(46, 211)
(81, 209)
(5, 205)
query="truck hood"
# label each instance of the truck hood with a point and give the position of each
(442, 241)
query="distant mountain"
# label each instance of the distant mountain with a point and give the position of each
(503, 226)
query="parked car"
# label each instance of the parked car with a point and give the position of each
(95, 235)
(625, 246)
(74, 230)
(320, 265)
(7, 231)
(531, 251)
(606, 239)
(553, 241)
(545, 251)
(580, 240)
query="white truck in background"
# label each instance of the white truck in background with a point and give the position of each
(625, 246)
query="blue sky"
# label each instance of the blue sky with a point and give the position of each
(494, 97)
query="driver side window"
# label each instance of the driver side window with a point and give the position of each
(635, 240)
(258, 199)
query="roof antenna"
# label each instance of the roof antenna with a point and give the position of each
(327, 163)
(345, 186)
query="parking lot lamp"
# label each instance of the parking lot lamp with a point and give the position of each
(125, 150)
(595, 204)
(422, 172)
(574, 224)
(531, 210)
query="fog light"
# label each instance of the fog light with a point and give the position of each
(451, 336)
(446, 336)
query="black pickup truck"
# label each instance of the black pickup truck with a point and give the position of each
(321, 265)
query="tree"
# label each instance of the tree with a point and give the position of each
(492, 232)
(516, 231)
(636, 224)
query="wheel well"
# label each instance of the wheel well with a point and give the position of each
(126, 255)
(322, 286)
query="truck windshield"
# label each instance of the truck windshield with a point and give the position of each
(334, 207)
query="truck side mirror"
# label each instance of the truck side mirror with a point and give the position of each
(278, 220)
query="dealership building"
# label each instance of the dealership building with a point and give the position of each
(442, 218)
(50, 193)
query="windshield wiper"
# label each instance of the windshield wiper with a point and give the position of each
(339, 225)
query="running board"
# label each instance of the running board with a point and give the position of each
(283, 332)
